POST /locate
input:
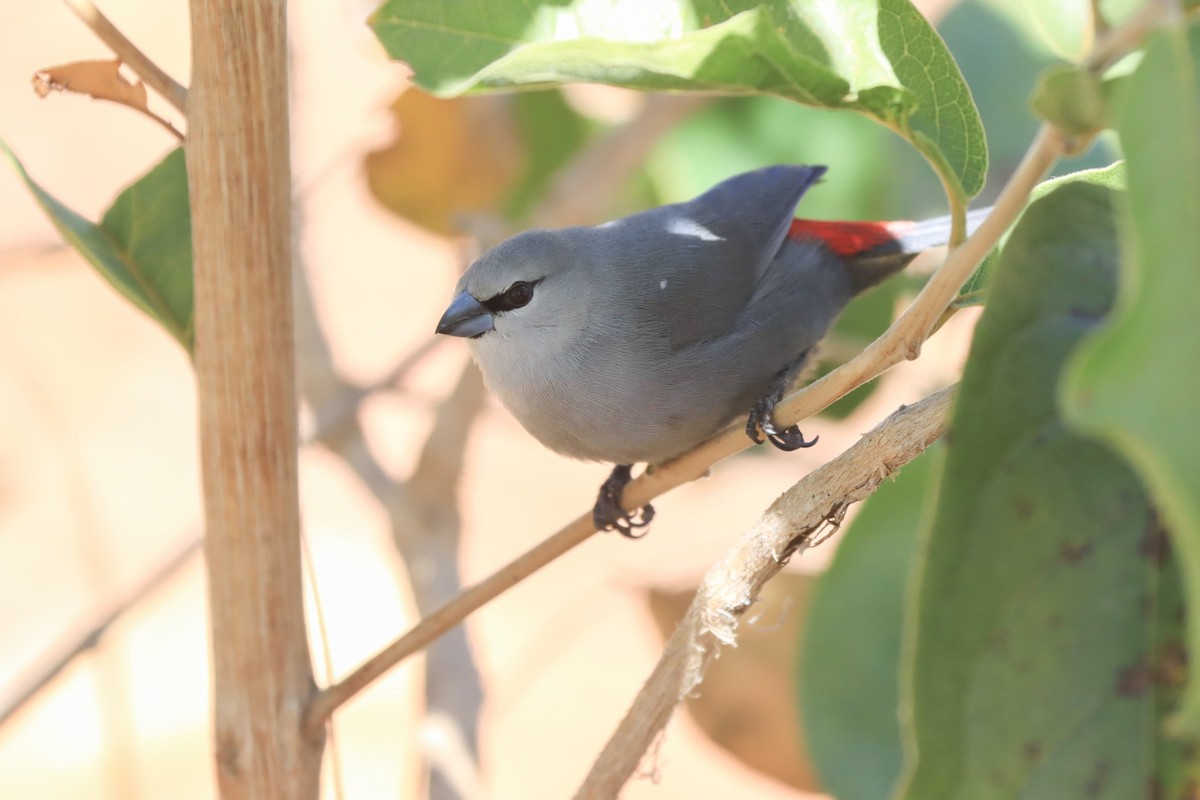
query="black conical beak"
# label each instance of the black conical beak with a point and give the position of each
(465, 317)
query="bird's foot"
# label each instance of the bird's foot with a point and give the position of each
(608, 515)
(762, 423)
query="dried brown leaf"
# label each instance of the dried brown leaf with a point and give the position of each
(452, 156)
(101, 80)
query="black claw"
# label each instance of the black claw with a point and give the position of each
(762, 416)
(627, 523)
(762, 425)
(753, 427)
(607, 514)
(790, 439)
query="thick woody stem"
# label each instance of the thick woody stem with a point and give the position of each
(240, 184)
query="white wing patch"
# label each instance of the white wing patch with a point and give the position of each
(682, 226)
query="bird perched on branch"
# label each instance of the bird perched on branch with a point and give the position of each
(635, 340)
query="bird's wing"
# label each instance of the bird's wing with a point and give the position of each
(699, 262)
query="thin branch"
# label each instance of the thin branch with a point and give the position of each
(89, 634)
(171, 90)
(424, 526)
(166, 123)
(333, 420)
(424, 522)
(336, 774)
(1117, 42)
(32, 254)
(453, 685)
(1100, 24)
(451, 614)
(793, 523)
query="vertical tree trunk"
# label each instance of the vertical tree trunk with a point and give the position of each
(239, 172)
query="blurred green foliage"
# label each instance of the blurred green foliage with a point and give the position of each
(848, 667)
(1136, 385)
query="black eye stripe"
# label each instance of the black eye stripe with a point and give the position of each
(515, 296)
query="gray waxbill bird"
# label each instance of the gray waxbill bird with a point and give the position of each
(635, 340)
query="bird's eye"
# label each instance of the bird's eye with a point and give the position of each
(515, 296)
(519, 294)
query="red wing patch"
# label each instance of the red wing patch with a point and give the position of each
(848, 238)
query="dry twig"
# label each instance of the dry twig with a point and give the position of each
(791, 525)
(89, 634)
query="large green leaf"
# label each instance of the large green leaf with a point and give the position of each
(850, 657)
(142, 246)
(879, 57)
(1044, 640)
(1112, 176)
(1137, 384)
(1065, 26)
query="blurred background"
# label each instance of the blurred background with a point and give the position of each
(425, 484)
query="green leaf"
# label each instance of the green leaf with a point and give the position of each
(944, 124)
(551, 133)
(1043, 641)
(1064, 25)
(143, 245)
(879, 57)
(1112, 176)
(1136, 384)
(850, 657)
(974, 291)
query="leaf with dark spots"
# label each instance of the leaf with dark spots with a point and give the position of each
(1134, 384)
(1030, 616)
(1172, 665)
(1098, 780)
(850, 715)
(1156, 545)
(1134, 680)
(1074, 552)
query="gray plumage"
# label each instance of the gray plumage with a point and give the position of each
(637, 339)
(646, 335)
